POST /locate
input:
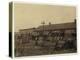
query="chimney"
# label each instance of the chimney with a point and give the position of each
(75, 20)
(49, 23)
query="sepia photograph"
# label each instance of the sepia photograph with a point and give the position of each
(41, 29)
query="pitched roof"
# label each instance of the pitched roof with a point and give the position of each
(58, 26)
(26, 29)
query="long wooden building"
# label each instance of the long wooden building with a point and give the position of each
(52, 36)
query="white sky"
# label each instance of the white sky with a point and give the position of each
(31, 15)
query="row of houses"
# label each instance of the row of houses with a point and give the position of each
(52, 36)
